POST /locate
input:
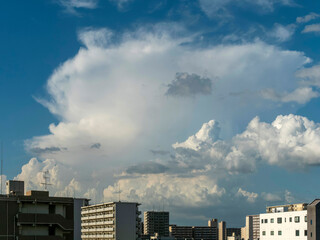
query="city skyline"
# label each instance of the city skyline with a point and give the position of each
(206, 108)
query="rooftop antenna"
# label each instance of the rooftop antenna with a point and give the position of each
(46, 178)
(1, 164)
(118, 192)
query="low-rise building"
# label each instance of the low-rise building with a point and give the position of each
(36, 215)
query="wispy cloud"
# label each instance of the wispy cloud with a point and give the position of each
(307, 18)
(311, 28)
(71, 6)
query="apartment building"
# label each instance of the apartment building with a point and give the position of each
(284, 222)
(113, 220)
(209, 232)
(156, 222)
(252, 229)
(313, 217)
(36, 215)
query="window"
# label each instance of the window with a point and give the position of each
(279, 233)
(297, 233)
(290, 219)
(263, 233)
(296, 219)
(310, 221)
(285, 219)
(279, 220)
(305, 218)
(271, 220)
(271, 233)
(305, 232)
(310, 234)
(266, 221)
(261, 220)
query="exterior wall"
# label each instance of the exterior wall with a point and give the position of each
(35, 208)
(287, 228)
(15, 187)
(78, 203)
(235, 231)
(313, 220)
(127, 221)
(181, 232)
(35, 231)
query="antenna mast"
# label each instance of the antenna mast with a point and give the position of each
(1, 163)
(46, 178)
(118, 192)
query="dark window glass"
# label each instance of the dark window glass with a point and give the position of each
(296, 219)
(271, 220)
(272, 233)
(297, 233)
(279, 220)
(290, 219)
(305, 232)
(279, 233)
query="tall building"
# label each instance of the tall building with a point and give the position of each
(252, 229)
(284, 223)
(36, 215)
(181, 232)
(222, 231)
(156, 223)
(114, 221)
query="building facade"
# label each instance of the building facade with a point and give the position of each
(252, 229)
(114, 221)
(209, 232)
(36, 215)
(313, 218)
(222, 230)
(233, 232)
(156, 223)
(283, 224)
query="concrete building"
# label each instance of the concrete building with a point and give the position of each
(156, 223)
(313, 217)
(284, 222)
(36, 215)
(252, 229)
(234, 237)
(222, 230)
(181, 232)
(209, 232)
(114, 221)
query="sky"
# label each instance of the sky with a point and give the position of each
(205, 108)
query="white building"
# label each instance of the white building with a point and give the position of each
(283, 224)
(112, 221)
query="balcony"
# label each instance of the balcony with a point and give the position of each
(98, 223)
(45, 219)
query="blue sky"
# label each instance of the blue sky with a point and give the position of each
(151, 95)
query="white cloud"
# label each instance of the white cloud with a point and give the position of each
(72, 5)
(113, 93)
(121, 4)
(250, 196)
(300, 95)
(310, 76)
(272, 197)
(282, 33)
(311, 28)
(311, 16)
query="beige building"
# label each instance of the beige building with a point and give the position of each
(113, 221)
(252, 229)
(156, 223)
(222, 230)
